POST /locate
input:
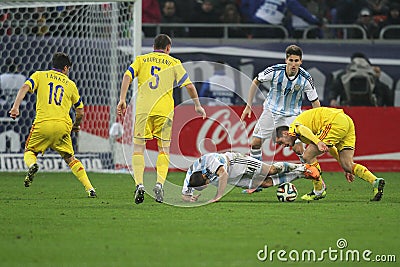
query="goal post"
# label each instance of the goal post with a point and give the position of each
(95, 35)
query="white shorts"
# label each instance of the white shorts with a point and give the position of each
(243, 170)
(267, 123)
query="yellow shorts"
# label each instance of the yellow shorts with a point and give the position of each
(149, 127)
(54, 135)
(340, 133)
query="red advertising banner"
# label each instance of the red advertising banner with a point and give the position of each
(377, 146)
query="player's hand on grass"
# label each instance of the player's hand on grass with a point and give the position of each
(14, 113)
(349, 177)
(194, 198)
(121, 108)
(246, 112)
(215, 199)
(190, 198)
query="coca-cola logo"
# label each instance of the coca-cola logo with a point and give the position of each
(223, 131)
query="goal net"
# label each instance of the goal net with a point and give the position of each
(93, 35)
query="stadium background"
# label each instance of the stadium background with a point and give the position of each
(53, 223)
(375, 125)
(99, 86)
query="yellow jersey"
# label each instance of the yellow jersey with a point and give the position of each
(158, 74)
(317, 120)
(55, 95)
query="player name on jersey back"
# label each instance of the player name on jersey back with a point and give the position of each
(157, 60)
(60, 78)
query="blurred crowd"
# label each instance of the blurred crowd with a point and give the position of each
(290, 16)
(294, 15)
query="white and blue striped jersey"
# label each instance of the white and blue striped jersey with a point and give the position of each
(285, 95)
(235, 164)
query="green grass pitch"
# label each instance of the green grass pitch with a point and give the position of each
(53, 223)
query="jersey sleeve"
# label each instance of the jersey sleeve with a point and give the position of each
(215, 164)
(182, 77)
(309, 89)
(302, 132)
(133, 69)
(265, 75)
(76, 98)
(33, 82)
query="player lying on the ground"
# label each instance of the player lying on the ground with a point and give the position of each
(241, 171)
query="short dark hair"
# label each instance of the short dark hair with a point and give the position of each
(196, 179)
(294, 50)
(279, 131)
(162, 41)
(60, 60)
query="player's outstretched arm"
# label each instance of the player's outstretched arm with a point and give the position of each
(14, 111)
(252, 91)
(121, 107)
(222, 182)
(307, 133)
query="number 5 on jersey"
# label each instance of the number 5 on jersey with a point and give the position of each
(154, 70)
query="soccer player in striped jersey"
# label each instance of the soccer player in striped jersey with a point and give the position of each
(158, 74)
(55, 95)
(323, 128)
(287, 83)
(241, 171)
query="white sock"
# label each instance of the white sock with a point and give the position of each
(288, 167)
(288, 177)
(256, 153)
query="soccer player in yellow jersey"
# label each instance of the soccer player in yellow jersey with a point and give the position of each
(158, 74)
(55, 95)
(323, 128)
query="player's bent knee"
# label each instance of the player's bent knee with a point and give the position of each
(68, 158)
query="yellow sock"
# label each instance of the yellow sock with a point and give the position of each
(138, 167)
(362, 172)
(334, 153)
(162, 167)
(30, 158)
(318, 184)
(79, 171)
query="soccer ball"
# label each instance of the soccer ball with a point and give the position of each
(286, 192)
